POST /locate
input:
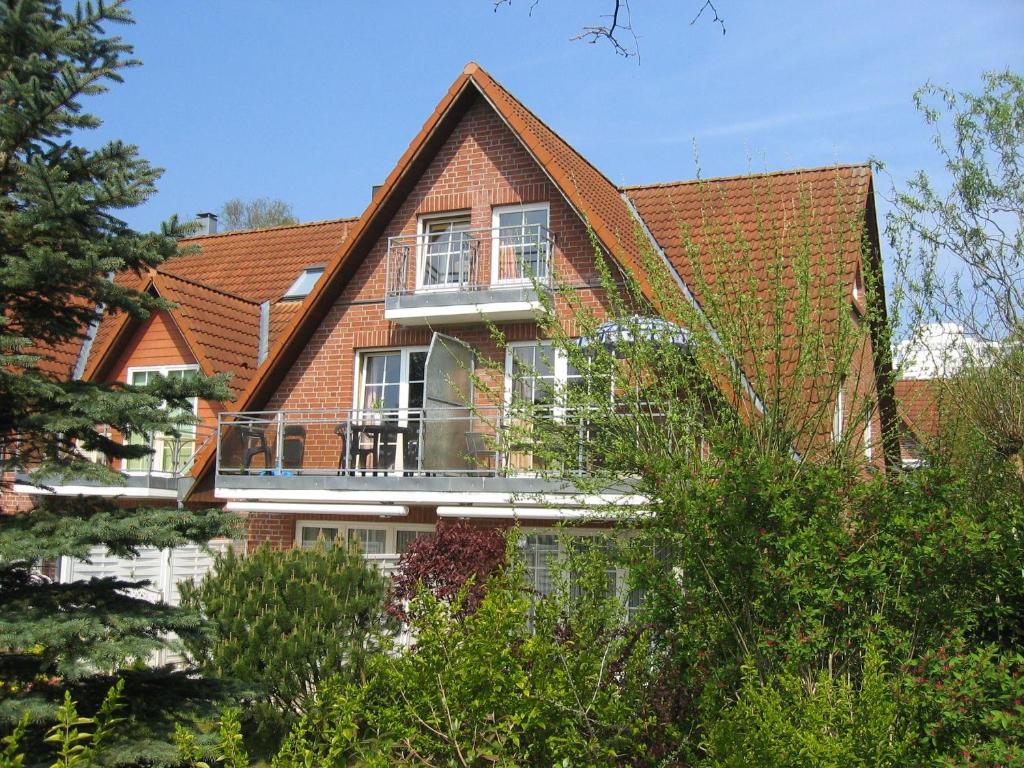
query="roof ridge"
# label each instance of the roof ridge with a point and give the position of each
(297, 225)
(738, 177)
(473, 68)
(159, 272)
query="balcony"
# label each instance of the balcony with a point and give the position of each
(393, 459)
(163, 474)
(464, 276)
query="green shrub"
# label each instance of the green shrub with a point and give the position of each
(283, 622)
(793, 722)
(517, 682)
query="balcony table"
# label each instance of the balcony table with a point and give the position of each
(349, 431)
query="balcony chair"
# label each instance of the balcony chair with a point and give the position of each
(479, 449)
(350, 444)
(254, 443)
(293, 447)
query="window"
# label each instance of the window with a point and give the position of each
(309, 535)
(535, 372)
(446, 256)
(403, 538)
(543, 551)
(838, 419)
(304, 283)
(390, 391)
(170, 454)
(521, 243)
(374, 540)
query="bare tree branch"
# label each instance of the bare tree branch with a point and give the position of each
(621, 23)
(709, 6)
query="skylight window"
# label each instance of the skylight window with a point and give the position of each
(304, 283)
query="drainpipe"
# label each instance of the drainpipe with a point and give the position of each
(264, 347)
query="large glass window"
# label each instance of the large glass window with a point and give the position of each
(446, 256)
(372, 541)
(536, 373)
(522, 243)
(170, 453)
(386, 428)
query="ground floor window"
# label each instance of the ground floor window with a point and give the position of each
(374, 540)
(543, 552)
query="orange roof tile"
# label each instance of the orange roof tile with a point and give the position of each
(222, 329)
(740, 235)
(219, 282)
(258, 264)
(918, 403)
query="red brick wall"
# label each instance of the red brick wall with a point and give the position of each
(480, 166)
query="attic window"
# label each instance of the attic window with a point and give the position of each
(304, 283)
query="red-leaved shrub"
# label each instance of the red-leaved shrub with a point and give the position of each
(445, 562)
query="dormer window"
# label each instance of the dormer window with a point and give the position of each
(304, 283)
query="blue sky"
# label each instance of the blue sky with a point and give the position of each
(313, 101)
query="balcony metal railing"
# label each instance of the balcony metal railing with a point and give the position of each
(483, 442)
(469, 260)
(173, 457)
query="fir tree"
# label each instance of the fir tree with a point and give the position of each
(60, 240)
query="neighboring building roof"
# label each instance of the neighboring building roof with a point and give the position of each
(258, 264)
(918, 402)
(222, 329)
(218, 283)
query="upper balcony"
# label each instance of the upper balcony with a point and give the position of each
(452, 274)
(165, 473)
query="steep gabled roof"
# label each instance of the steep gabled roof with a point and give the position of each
(745, 232)
(221, 329)
(608, 210)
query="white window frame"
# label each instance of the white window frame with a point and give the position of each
(423, 221)
(496, 211)
(345, 526)
(839, 418)
(360, 409)
(560, 365)
(358, 405)
(156, 442)
(622, 593)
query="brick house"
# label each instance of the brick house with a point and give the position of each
(358, 423)
(234, 294)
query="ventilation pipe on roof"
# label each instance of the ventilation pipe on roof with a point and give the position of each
(264, 348)
(207, 223)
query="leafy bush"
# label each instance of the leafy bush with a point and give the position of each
(793, 722)
(452, 564)
(283, 622)
(517, 682)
